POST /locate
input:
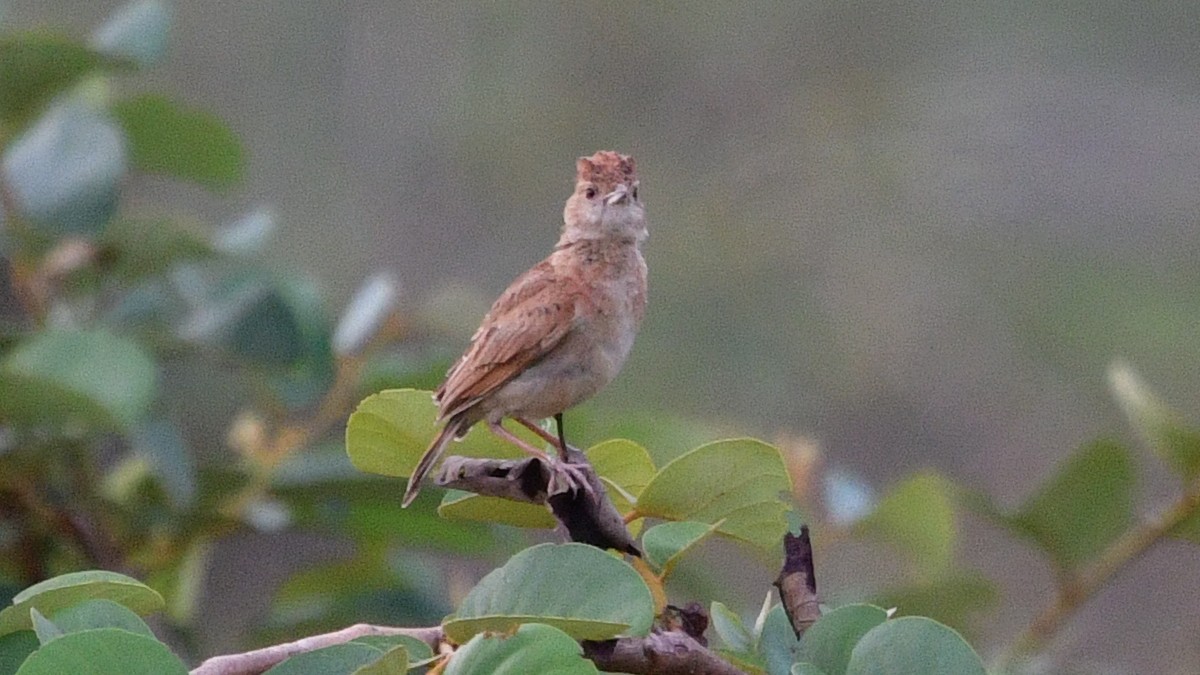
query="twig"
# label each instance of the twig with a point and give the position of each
(672, 652)
(1080, 587)
(261, 660)
(588, 518)
(666, 653)
(797, 582)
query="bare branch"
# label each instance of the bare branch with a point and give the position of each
(261, 660)
(1083, 585)
(797, 582)
(667, 653)
(588, 517)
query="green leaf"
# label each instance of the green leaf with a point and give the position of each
(777, 643)
(1084, 507)
(954, 599)
(34, 68)
(577, 588)
(137, 32)
(103, 651)
(729, 626)
(738, 481)
(44, 628)
(275, 321)
(624, 464)
(665, 544)
(913, 645)
(829, 642)
(459, 505)
(167, 138)
(533, 648)
(366, 313)
(1189, 528)
(161, 443)
(65, 170)
(342, 659)
(393, 662)
(417, 650)
(136, 249)
(61, 592)
(390, 430)
(806, 669)
(1163, 428)
(15, 648)
(918, 518)
(59, 376)
(91, 614)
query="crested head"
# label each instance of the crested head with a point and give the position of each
(605, 202)
(606, 169)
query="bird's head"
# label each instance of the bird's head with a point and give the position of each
(605, 202)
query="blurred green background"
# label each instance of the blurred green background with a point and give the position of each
(916, 233)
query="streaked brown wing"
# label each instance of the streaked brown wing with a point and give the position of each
(525, 323)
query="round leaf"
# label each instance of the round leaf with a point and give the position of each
(342, 659)
(393, 662)
(167, 138)
(58, 376)
(417, 650)
(738, 481)
(91, 614)
(459, 505)
(729, 626)
(390, 430)
(371, 305)
(777, 643)
(60, 592)
(138, 32)
(15, 648)
(913, 645)
(665, 544)
(36, 67)
(917, 517)
(1084, 507)
(64, 171)
(104, 651)
(534, 648)
(1162, 427)
(829, 642)
(580, 589)
(625, 465)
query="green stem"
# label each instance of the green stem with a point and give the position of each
(1080, 587)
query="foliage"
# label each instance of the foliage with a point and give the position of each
(127, 327)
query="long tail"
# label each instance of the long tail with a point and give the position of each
(431, 456)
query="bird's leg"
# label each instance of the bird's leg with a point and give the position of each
(576, 477)
(562, 438)
(542, 433)
(509, 436)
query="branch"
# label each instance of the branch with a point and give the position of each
(797, 582)
(1086, 583)
(261, 660)
(588, 517)
(666, 653)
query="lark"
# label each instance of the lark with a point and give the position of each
(562, 330)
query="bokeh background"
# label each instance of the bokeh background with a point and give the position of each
(915, 233)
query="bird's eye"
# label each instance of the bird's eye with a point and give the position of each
(590, 193)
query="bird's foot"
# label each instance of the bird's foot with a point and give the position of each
(568, 477)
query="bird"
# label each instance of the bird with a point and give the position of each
(561, 331)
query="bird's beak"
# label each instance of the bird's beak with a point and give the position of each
(620, 194)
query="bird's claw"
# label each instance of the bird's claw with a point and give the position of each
(568, 477)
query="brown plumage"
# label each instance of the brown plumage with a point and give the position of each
(563, 329)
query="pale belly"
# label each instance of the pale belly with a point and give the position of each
(574, 371)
